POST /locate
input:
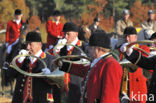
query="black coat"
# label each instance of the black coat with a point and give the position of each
(148, 64)
(40, 87)
(75, 81)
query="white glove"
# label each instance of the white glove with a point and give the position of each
(127, 50)
(22, 52)
(61, 41)
(46, 71)
(123, 47)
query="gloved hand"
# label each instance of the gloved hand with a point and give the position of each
(22, 52)
(124, 48)
(46, 71)
(61, 41)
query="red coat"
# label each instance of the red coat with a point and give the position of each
(12, 32)
(104, 80)
(53, 31)
(137, 82)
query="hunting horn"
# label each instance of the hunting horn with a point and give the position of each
(64, 58)
(56, 77)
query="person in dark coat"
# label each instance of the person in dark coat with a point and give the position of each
(95, 25)
(102, 77)
(146, 63)
(32, 89)
(73, 83)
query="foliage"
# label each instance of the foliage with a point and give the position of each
(139, 12)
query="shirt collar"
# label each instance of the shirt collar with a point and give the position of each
(38, 54)
(73, 43)
(97, 59)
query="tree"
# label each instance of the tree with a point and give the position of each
(139, 12)
(114, 8)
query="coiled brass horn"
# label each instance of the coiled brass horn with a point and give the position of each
(64, 58)
(128, 64)
(56, 77)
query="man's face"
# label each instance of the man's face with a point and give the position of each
(71, 36)
(57, 18)
(18, 17)
(126, 16)
(131, 38)
(152, 16)
(34, 47)
(153, 44)
(97, 23)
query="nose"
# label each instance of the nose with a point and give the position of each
(28, 46)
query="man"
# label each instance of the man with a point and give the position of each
(133, 81)
(124, 22)
(31, 89)
(149, 25)
(95, 25)
(146, 63)
(54, 29)
(70, 30)
(102, 76)
(13, 32)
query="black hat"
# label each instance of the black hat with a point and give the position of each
(96, 19)
(130, 31)
(153, 36)
(151, 12)
(33, 37)
(70, 26)
(99, 39)
(18, 12)
(56, 13)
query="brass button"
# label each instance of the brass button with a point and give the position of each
(22, 85)
(20, 90)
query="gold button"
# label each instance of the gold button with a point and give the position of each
(20, 90)
(22, 85)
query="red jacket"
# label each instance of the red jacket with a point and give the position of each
(137, 82)
(104, 80)
(12, 32)
(53, 31)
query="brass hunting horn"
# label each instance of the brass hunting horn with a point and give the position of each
(56, 77)
(129, 64)
(64, 58)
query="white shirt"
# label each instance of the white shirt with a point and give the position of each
(97, 59)
(38, 54)
(18, 21)
(73, 43)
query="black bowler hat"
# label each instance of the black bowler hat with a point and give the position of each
(153, 36)
(99, 39)
(96, 19)
(33, 37)
(130, 31)
(18, 12)
(70, 26)
(56, 13)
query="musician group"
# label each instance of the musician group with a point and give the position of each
(104, 78)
